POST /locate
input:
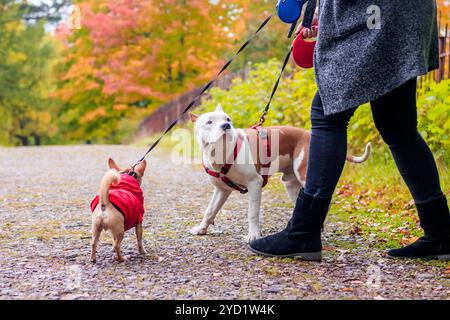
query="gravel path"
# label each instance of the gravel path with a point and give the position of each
(45, 232)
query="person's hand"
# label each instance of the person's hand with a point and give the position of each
(309, 33)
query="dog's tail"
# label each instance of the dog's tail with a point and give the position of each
(112, 176)
(362, 158)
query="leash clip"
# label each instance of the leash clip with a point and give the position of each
(132, 173)
(263, 134)
(263, 118)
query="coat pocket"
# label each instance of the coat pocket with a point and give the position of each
(350, 16)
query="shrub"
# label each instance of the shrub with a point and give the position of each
(434, 117)
(246, 99)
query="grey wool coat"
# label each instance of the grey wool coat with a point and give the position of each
(356, 63)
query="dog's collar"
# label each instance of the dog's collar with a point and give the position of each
(132, 173)
(226, 168)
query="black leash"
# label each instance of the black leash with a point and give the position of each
(307, 23)
(308, 18)
(275, 88)
(205, 88)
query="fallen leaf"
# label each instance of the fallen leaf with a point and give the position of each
(407, 241)
(356, 230)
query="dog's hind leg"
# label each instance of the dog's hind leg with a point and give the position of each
(292, 186)
(117, 238)
(139, 232)
(96, 231)
(216, 203)
(300, 166)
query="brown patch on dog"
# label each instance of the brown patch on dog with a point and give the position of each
(291, 142)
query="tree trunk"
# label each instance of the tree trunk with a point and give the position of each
(169, 73)
(37, 139)
(23, 140)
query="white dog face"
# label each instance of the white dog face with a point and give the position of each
(211, 127)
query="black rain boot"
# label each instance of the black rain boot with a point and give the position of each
(301, 238)
(435, 221)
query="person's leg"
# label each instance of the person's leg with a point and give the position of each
(327, 155)
(328, 149)
(395, 116)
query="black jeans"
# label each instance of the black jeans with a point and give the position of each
(395, 116)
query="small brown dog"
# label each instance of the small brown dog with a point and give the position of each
(118, 207)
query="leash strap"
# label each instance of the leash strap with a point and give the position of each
(275, 88)
(309, 14)
(205, 88)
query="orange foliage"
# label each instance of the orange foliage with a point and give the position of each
(444, 11)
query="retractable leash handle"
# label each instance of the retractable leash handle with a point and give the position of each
(303, 50)
(289, 11)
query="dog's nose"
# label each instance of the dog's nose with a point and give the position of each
(225, 126)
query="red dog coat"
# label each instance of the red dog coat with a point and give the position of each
(128, 198)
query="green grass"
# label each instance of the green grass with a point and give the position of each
(374, 202)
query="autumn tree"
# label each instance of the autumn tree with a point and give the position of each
(25, 78)
(444, 9)
(133, 55)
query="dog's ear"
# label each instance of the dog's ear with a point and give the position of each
(140, 168)
(219, 107)
(113, 165)
(193, 117)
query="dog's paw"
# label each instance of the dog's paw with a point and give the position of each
(252, 236)
(119, 259)
(199, 230)
(142, 251)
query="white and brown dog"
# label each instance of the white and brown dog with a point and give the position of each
(219, 140)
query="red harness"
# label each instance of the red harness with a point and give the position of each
(265, 163)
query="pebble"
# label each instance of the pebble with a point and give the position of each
(53, 234)
(275, 289)
(425, 276)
